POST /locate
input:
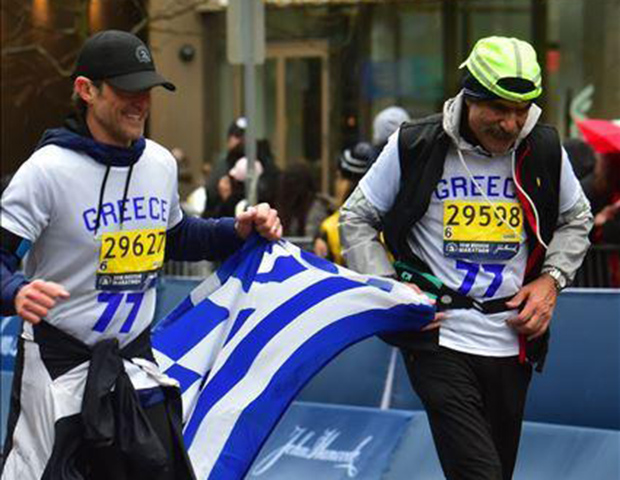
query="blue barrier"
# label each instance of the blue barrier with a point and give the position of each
(314, 441)
(355, 377)
(10, 327)
(415, 456)
(6, 380)
(170, 292)
(581, 382)
(568, 453)
(580, 385)
(330, 443)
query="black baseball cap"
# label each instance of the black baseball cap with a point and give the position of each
(121, 59)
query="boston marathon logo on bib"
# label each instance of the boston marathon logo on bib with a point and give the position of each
(130, 260)
(477, 230)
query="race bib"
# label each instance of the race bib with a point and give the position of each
(481, 231)
(130, 260)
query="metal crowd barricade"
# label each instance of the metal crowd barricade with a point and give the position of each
(189, 269)
(600, 268)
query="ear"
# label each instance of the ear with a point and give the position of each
(85, 89)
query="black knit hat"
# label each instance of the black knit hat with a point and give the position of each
(356, 161)
(121, 59)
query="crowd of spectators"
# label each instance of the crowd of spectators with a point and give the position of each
(293, 190)
(599, 175)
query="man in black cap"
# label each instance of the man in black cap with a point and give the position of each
(94, 212)
(480, 207)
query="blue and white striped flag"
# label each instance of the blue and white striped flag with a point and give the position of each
(247, 339)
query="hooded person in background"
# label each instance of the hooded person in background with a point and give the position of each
(353, 163)
(385, 123)
(480, 207)
(94, 212)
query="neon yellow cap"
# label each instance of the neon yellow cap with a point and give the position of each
(493, 60)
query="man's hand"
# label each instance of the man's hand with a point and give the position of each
(263, 218)
(606, 214)
(540, 297)
(439, 316)
(34, 300)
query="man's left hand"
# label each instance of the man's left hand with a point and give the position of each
(263, 218)
(538, 299)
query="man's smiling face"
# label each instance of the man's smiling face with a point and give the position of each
(117, 117)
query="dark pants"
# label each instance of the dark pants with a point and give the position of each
(475, 409)
(110, 464)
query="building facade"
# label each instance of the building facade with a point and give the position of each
(332, 65)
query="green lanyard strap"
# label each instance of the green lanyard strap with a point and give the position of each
(447, 298)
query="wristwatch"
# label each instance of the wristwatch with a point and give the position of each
(559, 279)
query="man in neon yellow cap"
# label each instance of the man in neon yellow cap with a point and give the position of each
(480, 208)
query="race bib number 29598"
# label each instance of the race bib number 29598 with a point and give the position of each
(481, 230)
(130, 260)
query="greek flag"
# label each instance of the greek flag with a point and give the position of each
(247, 339)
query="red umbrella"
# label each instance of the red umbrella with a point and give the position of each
(602, 135)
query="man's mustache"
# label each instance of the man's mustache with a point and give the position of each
(500, 134)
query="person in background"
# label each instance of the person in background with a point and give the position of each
(238, 175)
(583, 160)
(269, 180)
(235, 136)
(480, 207)
(220, 200)
(599, 175)
(385, 123)
(196, 202)
(606, 186)
(185, 178)
(607, 217)
(94, 212)
(301, 207)
(235, 143)
(353, 163)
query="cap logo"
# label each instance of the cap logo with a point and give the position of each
(143, 55)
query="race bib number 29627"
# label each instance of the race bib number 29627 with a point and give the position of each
(130, 260)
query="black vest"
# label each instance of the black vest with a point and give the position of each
(422, 148)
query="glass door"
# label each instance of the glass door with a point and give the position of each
(296, 105)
